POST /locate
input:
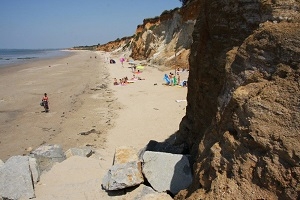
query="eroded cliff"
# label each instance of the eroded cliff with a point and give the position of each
(242, 120)
(163, 41)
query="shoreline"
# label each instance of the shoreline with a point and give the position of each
(22, 61)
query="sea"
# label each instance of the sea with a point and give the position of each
(18, 56)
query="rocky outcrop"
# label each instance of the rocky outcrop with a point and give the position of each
(164, 172)
(242, 119)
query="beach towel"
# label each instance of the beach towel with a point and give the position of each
(167, 79)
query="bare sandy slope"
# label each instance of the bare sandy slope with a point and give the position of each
(128, 115)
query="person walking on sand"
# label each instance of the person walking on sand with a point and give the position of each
(45, 101)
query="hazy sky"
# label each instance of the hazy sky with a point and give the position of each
(68, 23)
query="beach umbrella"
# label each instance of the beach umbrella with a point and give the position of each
(140, 67)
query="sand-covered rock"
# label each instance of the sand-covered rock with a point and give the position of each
(85, 151)
(48, 155)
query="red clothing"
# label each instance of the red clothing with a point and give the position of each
(45, 99)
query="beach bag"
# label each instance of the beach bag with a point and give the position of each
(42, 103)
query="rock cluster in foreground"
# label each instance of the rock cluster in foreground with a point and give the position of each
(151, 174)
(165, 172)
(20, 174)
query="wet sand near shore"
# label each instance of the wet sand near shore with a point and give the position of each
(80, 103)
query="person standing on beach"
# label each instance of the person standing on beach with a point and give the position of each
(45, 101)
(178, 78)
(122, 60)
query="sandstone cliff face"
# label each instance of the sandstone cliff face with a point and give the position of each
(242, 121)
(163, 41)
(119, 45)
(158, 39)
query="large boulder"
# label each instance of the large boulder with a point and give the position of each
(48, 155)
(121, 176)
(167, 172)
(16, 178)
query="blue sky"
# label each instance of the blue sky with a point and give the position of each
(67, 23)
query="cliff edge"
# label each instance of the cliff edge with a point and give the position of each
(242, 119)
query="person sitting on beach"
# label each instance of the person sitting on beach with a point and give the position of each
(184, 83)
(137, 72)
(125, 79)
(134, 78)
(116, 81)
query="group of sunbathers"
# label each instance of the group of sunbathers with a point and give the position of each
(171, 79)
(122, 81)
(125, 80)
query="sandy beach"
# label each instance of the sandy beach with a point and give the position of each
(83, 98)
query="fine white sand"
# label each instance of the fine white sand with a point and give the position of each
(129, 115)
